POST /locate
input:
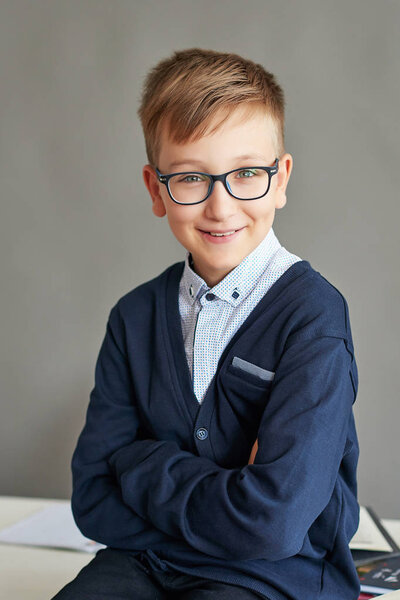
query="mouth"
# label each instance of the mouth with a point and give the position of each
(221, 233)
(220, 237)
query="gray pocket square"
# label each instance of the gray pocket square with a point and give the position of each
(253, 369)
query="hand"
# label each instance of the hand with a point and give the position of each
(253, 452)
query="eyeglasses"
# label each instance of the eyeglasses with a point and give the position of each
(193, 187)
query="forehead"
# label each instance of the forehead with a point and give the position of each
(228, 135)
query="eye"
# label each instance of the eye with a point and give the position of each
(243, 173)
(192, 178)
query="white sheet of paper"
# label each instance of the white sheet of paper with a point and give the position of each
(368, 536)
(53, 527)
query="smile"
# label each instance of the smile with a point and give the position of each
(221, 236)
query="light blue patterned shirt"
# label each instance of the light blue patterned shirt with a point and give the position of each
(211, 316)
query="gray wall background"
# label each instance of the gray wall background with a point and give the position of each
(77, 230)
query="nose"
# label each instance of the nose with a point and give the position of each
(220, 205)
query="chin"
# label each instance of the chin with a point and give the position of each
(225, 268)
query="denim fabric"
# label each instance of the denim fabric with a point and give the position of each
(119, 575)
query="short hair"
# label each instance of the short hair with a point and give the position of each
(185, 91)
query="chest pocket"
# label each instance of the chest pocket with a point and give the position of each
(246, 368)
(242, 398)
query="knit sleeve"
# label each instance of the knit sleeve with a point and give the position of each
(263, 510)
(111, 420)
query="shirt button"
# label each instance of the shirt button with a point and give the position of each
(202, 433)
(210, 296)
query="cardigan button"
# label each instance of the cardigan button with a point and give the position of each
(202, 433)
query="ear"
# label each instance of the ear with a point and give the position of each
(154, 187)
(283, 175)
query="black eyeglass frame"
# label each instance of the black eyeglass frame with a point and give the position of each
(164, 178)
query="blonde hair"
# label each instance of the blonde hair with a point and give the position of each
(185, 91)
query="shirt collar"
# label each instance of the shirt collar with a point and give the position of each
(193, 285)
(238, 284)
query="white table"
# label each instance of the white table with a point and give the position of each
(28, 573)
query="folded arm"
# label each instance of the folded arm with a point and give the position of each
(264, 509)
(111, 421)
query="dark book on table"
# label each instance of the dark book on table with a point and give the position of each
(381, 575)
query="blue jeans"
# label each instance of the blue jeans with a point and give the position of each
(118, 575)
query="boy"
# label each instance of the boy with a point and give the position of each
(219, 452)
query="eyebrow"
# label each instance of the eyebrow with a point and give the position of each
(199, 164)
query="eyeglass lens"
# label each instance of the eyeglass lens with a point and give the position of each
(243, 183)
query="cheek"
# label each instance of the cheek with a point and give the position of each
(267, 208)
(181, 218)
(258, 211)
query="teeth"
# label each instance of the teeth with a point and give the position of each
(222, 234)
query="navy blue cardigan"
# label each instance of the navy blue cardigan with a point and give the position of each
(156, 472)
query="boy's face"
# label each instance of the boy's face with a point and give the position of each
(242, 141)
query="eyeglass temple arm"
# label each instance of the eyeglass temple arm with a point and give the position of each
(274, 169)
(161, 178)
